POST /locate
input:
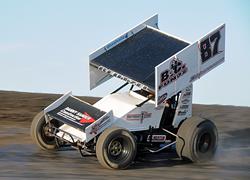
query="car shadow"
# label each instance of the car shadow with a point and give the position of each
(163, 159)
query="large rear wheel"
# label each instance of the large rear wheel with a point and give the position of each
(116, 148)
(198, 139)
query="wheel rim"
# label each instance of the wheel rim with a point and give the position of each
(119, 149)
(115, 148)
(204, 142)
(46, 133)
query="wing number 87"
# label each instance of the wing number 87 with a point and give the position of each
(209, 46)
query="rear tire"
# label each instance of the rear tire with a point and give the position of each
(39, 132)
(116, 148)
(198, 139)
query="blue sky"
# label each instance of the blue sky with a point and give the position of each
(44, 45)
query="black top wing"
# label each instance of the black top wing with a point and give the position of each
(137, 56)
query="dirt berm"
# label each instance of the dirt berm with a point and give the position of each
(21, 159)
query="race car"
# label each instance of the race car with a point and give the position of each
(153, 114)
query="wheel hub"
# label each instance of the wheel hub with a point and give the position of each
(204, 143)
(47, 130)
(115, 148)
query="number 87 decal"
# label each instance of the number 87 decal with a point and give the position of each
(209, 46)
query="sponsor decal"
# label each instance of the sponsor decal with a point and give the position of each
(185, 101)
(198, 75)
(99, 125)
(86, 118)
(156, 138)
(187, 94)
(117, 75)
(177, 69)
(162, 98)
(188, 89)
(76, 116)
(138, 117)
(185, 106)
(116, 41)
(182, 112)
(209, 47)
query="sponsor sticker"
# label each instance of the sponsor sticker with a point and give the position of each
(122, 77)
(187, 94)
(184, 106)
(138, 117)
(162, 98)
(182, 112)
(86, 118)
(156, 138)
(198, 75)
(116, 41)
(185, 101)
(176, 70)
(74, 115)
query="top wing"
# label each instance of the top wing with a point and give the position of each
(156, 61)
(133, 56)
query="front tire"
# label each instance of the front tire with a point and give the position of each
(40, 132)
(116, 148)
(198, 139)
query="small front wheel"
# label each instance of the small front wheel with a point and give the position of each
(116, 148)
(41, 132)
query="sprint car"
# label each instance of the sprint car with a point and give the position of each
(154, 113)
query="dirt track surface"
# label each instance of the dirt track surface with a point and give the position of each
(21, 159)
